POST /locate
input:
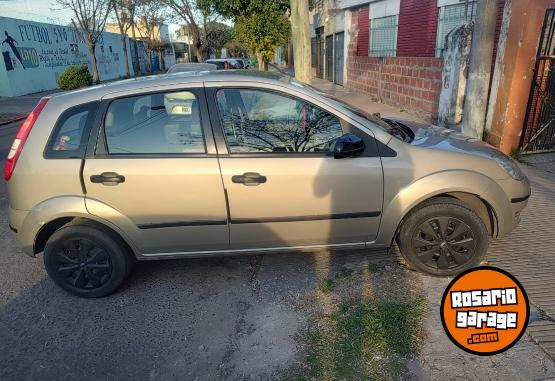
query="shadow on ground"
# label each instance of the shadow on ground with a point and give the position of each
(221, 318)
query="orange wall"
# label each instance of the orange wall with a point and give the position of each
(527, 18)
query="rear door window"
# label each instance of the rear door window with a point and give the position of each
(70, 136)
(161, 123)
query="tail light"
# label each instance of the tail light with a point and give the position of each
(20, 139)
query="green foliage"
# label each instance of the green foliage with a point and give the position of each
(485, 135)
(264, 31)
(232, 9)
(345, 272)
(75, 77)
(374, 268)
(262, 25)
(364, 340)
(326, 285)
(516, 153)
(217, 35)
(236, 48)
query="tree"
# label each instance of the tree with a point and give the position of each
(236, 48)
(124, 24)
(152, 17)
(188, 11)
(300, 28)
(260, 24)
(90, 17)
(216, 35)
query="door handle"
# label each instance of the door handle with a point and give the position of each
(249, 178)
(108, 178)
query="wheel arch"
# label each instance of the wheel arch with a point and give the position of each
(52, 214)
(48, 229)
(482, 194)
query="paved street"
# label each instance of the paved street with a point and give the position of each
(231, 318)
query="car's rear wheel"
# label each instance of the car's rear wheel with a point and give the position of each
(443, 236)
(87, 261)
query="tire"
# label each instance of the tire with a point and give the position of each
(87, 261)
(443, 236)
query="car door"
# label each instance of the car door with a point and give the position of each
(283, 187)
(155, 172)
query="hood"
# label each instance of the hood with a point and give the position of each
(439, 138)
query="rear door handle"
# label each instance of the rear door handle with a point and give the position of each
(249, 178)
(108, 178)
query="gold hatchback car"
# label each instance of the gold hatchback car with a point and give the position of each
(219, 163)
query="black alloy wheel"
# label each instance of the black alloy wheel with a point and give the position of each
(83, 264)
(443, 236)
(443, 243)
(87, 260)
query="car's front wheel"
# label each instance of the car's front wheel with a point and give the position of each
(443, 236)
(87, 261)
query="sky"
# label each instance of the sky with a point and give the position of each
(43, 11)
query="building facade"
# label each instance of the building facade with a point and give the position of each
(392, 50)
(35, 54)
(160, 33)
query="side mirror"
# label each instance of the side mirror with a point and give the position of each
(348, 145)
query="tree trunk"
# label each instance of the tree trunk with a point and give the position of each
(125, 55)
(262, 65)
(300, 36)
(149, 56)
(476, 99)
(137, 65)
(162, 61)
(92, 51)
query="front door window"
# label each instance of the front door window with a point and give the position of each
(256, 121)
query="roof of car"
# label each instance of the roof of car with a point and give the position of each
(98, 91)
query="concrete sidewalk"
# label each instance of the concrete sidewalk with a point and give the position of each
(17, 108)
(365, 102)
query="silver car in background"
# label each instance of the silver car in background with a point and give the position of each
(191, 66)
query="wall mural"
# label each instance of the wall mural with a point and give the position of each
(35, 54)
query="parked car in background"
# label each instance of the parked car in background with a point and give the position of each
(191, 66)
(216, 163)
(246, 63)
(227, 63)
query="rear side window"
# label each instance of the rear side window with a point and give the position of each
(70, 136)
(162, 123)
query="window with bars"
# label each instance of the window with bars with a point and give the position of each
(383, 37)
(451, 17)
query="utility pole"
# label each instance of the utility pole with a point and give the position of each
(300, 32)
(476, 99)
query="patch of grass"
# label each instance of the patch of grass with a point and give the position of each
(326, 285)
(364, 340)
(485, 135)
(374, 268)
(345, 272)
(516, 153)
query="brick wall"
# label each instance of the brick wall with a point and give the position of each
(413, 83)
(416, 36)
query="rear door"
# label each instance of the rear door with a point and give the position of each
(283, 188)
(155, 172)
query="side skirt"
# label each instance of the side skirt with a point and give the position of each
(271, 250)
